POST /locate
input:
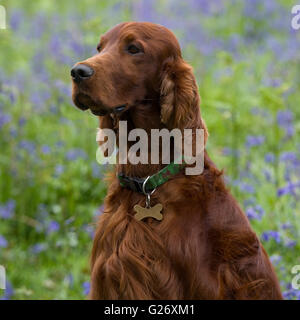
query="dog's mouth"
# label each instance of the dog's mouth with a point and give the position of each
(85, 102)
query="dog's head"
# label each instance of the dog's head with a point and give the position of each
(138, 62)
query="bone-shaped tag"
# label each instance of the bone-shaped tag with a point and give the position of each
(154, 212)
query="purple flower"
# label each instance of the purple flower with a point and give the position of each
(22, 121)
(39, 97)
(99, 211)
(245, 187)
(252, 141)
(288, 189)
(286, 225)
(59, 169)
(55, 44)
(27, 145)
(9, 291)
(289, 243)
(90, 230)
(45, 149)
(4, 119)
(291, 294)
(69, 279)
(285, 121)
(86, 288)
(75, 154)
(53, 226)
(289, 156)
(63, 88)
(267, 174)
(37, 248)
(145, 10)
(275, 259)
(268, 235)
(69, 221)
(230, 152)
(284, 118)
(16, 18)
(97, 171)
(255, 212)
(270, 157)
(3, 242)
(7, 210)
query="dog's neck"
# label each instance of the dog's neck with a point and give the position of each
(144, 116)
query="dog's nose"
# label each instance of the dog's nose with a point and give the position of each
(81, 72)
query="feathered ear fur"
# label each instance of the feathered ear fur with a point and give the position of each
(180, 100)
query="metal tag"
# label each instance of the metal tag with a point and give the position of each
(154, 212)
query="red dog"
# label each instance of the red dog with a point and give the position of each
(204, 247)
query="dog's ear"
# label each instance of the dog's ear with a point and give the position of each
(179, 97)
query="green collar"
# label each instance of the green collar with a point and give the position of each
(149, 184)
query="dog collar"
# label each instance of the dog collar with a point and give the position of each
(149, 184)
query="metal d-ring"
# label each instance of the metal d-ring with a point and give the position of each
(147, 194)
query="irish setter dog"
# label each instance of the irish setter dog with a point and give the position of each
(204, 248)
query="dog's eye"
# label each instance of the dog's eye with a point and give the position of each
(99, 47)
(132, 49)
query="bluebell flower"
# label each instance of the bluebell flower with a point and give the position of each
(245, 187)
(13, 132)
(37, 248)
(145, 10)
(9, 291)
(38, 98)
(4, 119)
(7, 209)
(90, 230)
(268, 235)
(226, 151)
(275, 259)
(55, 44)
(59, 169)
(64, 89)
(60, 144)
(252, 141)
(270, 157)
(285, 121)
(75, 154)
(288, 189)
(53, 226)
(268, 175)
(286, 225)
(99, 211)
(86, 288)
(22, 121)
(38, 25)
(255, 212)
(69, 221)
(249, 202)
(16, 17)
(69, 279)
(45, 149)
(291, 294)
(27, 145)
(77, 47)
(289, 156)
(284, 118)
(97, 170)
(3, 242)
(289, 243)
